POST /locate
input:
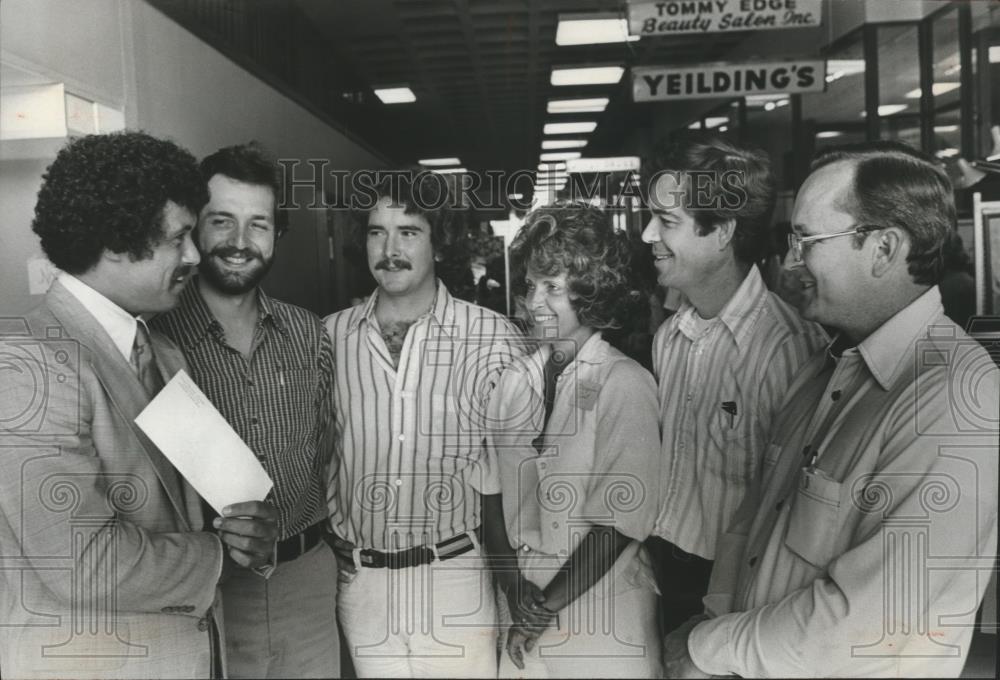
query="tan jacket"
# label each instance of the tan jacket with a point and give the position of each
(104, 571)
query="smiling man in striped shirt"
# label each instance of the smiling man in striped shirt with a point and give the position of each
(724, 361)
(415, 369)
(267, 366)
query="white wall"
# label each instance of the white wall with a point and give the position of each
(170, 84)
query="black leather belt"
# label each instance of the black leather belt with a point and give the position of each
(415, 557)
(299, 544)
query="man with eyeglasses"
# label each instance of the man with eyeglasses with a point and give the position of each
(866, 548)
(723, 362)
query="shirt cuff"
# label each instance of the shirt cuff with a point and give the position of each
(709, 646)
(266, 570)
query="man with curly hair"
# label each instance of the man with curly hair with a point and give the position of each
(115, 577)
(724, 361)
(414, 370)
(268, 367)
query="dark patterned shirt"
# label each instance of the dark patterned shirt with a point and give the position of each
(278, 400)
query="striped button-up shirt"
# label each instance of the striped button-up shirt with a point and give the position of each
(278, 400)
(720, 383)
(410, 461)
(867, 546)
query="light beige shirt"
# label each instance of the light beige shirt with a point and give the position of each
(867, 548)
(598, 464)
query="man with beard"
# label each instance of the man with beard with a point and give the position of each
(107, 571)
(267, 367)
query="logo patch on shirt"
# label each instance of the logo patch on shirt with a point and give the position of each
(586, 394)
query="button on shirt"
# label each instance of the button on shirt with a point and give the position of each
(720, 383)
(869, 543)
(278, 400)
(408, 462)
(599, 456)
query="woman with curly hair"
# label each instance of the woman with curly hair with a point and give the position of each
(575, 447)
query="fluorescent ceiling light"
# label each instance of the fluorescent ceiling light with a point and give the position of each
(695, 126)
(569, 128)
(716, 121)
(587, 75)
(563, 143)
(590, 105)
(395, 95)
(560, 155)
(435, 162)
(608, 164)
(516, 196)
(449, 171)
(994, 54)
(592, 29)
(550, 167)
(839, 68)
(945, 128)
(887, 110)
(937, 89)
(890, 109)
(828, 134)
(761, 99)
(724, 128)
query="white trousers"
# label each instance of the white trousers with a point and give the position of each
(435, 620)
(608, 632)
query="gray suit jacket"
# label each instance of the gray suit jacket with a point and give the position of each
(104, 569)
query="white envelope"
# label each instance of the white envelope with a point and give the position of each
(194, 436)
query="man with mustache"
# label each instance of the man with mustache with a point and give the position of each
(107, 571)
(724, 361)
(267, 367)
(415, 369)
(865, 548)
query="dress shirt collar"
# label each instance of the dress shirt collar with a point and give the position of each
(593, 352)
(119, 324)
(197, 319)
(740, 314)
(442, 310)
(888, 350)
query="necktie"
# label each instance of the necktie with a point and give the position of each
(144, 361)
(553, 369)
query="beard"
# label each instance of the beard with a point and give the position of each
(216, 273)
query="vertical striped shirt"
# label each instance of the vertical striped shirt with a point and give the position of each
(720, 382)
(409, 461)
(278, 400)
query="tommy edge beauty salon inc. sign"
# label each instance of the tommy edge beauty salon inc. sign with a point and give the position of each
(671, 17)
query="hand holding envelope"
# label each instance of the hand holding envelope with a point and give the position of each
(198, 441)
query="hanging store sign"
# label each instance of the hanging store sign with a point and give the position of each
(673, 17)
(657, 83)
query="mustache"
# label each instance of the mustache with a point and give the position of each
(387, 262)
(230, 251)
(184, 270)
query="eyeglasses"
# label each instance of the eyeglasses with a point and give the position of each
(796, 242)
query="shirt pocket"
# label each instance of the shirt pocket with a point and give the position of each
(813, 523)
(731, 457)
